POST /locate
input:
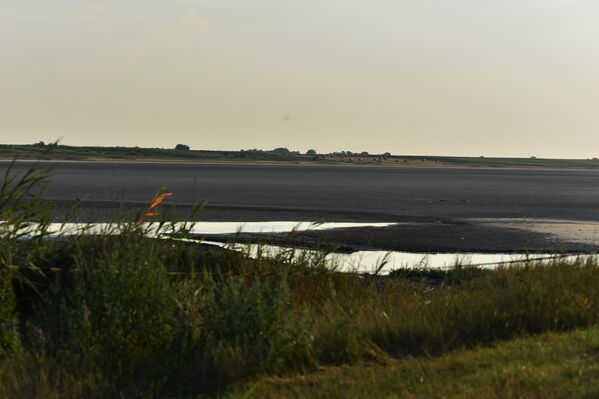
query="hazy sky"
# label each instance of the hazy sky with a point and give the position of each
(459, 77)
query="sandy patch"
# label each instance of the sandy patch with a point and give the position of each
(565, 230)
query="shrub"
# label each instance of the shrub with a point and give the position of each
(117, 312)
(281, 151)
(252, 326)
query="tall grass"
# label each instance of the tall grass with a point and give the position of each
(20, 204)
(9, 337)
(128, 315)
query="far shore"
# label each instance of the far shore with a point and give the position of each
(277, 156)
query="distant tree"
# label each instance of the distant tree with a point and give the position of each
(282, 151)
(387, 154)
(364, 153)
(182, 147)
(311, 153)
(40, 144)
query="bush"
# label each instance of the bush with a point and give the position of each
(281, 151)
(252, 326)
(117, 312)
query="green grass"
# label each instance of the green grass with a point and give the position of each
(131, 316)
(140, 317)
(551, 365)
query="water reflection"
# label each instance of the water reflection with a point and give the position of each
(207, 227)
(361, 261)
(384, 262)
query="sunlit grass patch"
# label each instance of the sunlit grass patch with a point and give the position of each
(551, 365)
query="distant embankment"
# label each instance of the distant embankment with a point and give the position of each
(283, 155)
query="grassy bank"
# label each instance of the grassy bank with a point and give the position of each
(130, 316)
(564, 365)
(126, 315)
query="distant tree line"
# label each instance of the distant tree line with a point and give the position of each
(278, 151)
(284, 151)
(358, 154)
(314, 153)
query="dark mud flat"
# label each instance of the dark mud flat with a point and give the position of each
(443, 237)
(411, 234)
(105, 211)
(457, 193)
(438, 203)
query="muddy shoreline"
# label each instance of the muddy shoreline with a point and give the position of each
(409, 234)
(420, 238)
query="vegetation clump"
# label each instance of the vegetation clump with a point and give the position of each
(182, 147)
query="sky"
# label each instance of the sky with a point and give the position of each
(438, 77)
